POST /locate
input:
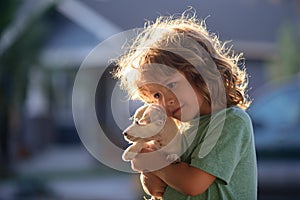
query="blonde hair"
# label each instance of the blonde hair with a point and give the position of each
(181, 43)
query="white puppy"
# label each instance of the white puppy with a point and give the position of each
(151, 124)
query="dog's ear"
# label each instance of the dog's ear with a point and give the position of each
(160, 122)
(157, 114)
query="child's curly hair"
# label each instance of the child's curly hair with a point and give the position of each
(181, 43)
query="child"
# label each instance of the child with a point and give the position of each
(177, 63)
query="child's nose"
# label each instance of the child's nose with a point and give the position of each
(168, 100)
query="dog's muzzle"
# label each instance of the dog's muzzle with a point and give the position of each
(130, 137)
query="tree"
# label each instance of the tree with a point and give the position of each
(15, 63)
(287, 62)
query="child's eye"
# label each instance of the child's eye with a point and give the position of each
(171, 85)
(156, 95)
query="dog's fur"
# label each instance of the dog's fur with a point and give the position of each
(151, 124)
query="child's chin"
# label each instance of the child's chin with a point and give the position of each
(180, 118)
(184, 118)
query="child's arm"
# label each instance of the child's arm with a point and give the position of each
(153, 185)
(185, 178)
(181, 176)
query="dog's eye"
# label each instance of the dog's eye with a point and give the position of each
(141, 122)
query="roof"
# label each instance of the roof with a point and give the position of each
(252, 25)
(233, 19)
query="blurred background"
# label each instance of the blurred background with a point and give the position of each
(42, 45)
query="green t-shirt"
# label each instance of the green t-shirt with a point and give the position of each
(223, 145)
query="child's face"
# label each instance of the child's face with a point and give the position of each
(180, 99)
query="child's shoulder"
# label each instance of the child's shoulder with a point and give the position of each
(237, 113)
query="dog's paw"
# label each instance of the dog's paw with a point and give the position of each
(156, 144)
(154, 198)
(128, 156)
(173, 158)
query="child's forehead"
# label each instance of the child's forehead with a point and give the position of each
(159, 78)
(150, 87)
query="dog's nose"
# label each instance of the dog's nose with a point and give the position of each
(125, 133)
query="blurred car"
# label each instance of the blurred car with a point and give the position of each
(276, 120)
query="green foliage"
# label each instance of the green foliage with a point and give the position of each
(15, 63)
(7, 10)
(17, 60)
(287, 62)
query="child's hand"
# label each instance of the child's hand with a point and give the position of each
(153, 185)
(149, 160)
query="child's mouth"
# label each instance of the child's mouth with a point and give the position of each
(176, 110)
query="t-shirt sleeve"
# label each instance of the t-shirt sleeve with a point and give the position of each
(222, 147)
